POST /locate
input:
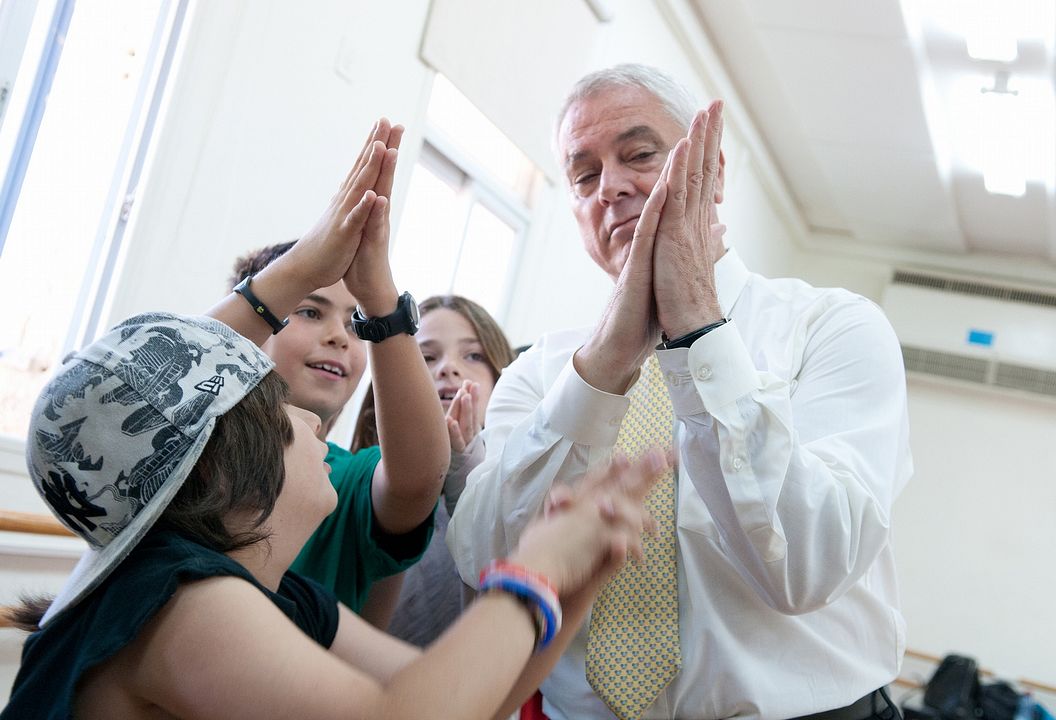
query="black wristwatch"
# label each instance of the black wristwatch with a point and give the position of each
(376, 329)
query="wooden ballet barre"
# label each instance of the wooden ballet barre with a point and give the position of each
(26, 522)
(1032, 685)
(37, 523)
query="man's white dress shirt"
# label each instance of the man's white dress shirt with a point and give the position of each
(793, 443)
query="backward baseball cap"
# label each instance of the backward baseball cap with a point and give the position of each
(119, 428)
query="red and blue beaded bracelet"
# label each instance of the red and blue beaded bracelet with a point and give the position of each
(533, 589)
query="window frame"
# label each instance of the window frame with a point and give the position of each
(471, 181)
(100, 276)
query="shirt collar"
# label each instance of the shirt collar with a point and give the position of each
(731, 276)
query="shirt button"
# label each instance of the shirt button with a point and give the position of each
(738, 463)
(703, 373)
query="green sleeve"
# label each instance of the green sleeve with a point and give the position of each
(348, 552)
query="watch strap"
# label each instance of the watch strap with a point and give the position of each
(259, 308)
(684, 341)
(376, 329)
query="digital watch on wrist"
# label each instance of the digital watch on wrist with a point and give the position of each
(376, 329)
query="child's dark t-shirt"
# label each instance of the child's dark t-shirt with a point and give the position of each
(93, 631)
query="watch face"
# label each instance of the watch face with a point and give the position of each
(412, 308)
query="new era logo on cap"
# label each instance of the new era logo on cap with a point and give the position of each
(212, 385)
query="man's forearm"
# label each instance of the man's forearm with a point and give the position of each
(600, 369)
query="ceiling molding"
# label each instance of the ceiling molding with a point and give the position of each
(601, 9)
(978, 265)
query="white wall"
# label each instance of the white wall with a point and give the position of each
(976, 528)
(821, 269)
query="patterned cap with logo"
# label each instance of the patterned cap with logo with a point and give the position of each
(116, 432)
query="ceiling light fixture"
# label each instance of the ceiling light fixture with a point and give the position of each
(1003, 138)
(992, 30)
(989, 45)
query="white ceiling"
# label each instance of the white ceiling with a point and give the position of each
(841, 92)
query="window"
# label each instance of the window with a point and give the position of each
(468, 206)
(79, 104)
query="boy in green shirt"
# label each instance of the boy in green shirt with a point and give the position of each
(386, 494)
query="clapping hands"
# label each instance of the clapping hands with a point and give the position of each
(687, 241)
(350, 239)
(464, 419)
(587, 533)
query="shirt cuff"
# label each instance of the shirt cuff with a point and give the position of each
(582, 413)
(711, 373)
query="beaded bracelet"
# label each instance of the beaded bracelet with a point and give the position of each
(533, 589)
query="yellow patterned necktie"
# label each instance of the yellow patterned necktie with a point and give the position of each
(633, 650)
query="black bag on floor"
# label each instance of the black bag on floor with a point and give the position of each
(953, 691)
(999, 700)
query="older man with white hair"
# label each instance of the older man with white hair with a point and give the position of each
(768, 589)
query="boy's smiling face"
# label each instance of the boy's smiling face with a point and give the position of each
(318, 354)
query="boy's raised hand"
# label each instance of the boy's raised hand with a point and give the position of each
(324, 254)
(388, 135)
(369, 276)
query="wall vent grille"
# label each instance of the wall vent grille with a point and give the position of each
(976, 288)
(979, 370)
(1020, 377)
(944, 364)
